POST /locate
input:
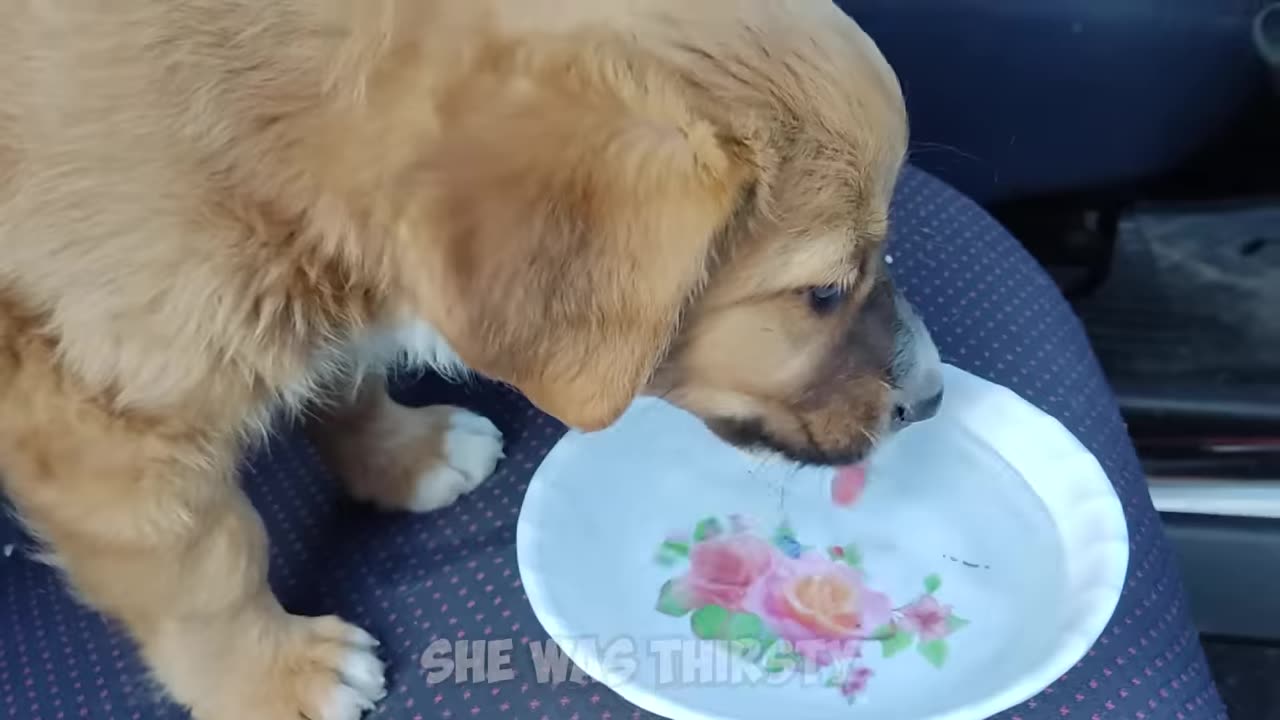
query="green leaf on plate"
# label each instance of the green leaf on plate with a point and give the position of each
(781, 662)
(932, 584)
(676, 548)
(779, 656)
(752, 649)
(884, 632)
(671, 553)
(954, 623)
(848, 554)
(743, 626)
(896, 643)
(852, 555)
(935, 651)
(707, 529)
(669, 602)
(710, 622)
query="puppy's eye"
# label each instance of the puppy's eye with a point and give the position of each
(826, 298)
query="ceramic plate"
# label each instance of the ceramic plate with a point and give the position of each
(984, 556)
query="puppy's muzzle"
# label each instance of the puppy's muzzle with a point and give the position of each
(916, 372)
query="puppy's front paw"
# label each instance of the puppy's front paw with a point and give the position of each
(471, 447)
(336, 674)
(324, 669)
(415, 459)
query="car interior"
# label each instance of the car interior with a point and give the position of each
(1132, 147)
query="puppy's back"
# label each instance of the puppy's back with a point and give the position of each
(126, 222)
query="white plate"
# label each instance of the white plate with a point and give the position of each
(988, 546)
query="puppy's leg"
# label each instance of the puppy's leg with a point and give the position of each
(144, 515)
(402, 458)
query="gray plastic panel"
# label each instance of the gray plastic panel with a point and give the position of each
(1232, 572)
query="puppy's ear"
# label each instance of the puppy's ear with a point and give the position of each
(578, 219)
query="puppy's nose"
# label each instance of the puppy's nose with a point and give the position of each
(926, 408)
(916, 370)
(914, 411)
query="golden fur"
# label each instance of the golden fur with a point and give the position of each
(212, 210)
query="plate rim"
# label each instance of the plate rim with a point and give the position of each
(1108, 562)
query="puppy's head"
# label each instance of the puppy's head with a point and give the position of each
(698, 214)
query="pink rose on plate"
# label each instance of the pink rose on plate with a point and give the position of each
(723, 569)
(928, 618)
(824, 609)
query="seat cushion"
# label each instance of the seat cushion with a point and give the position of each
(452, 575)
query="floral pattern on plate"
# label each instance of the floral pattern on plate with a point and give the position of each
(795, 608)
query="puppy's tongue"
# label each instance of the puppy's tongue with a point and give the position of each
(848, 484)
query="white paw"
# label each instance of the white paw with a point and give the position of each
(334, 672)
(472, 449)
(363, 686)
(364, 674)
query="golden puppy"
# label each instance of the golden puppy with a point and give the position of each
(213, 211)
